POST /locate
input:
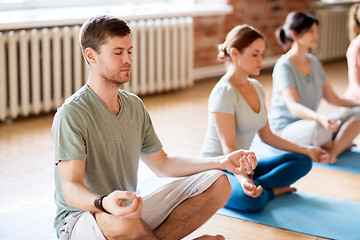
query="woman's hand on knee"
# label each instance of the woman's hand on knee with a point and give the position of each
(318, 154)
(251, 189)
(330, 124)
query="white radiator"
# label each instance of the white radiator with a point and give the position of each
(333, 33)
(40, 68)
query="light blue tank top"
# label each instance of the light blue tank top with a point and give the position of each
(309, 89)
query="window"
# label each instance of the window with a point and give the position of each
(32, 4)
(20, 14)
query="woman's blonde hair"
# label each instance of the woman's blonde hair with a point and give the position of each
(354, 21)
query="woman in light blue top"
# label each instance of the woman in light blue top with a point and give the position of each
(237, 112)
(299, 84)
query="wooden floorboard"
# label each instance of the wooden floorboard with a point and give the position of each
(180, 119)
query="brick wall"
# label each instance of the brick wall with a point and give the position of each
(265, 15)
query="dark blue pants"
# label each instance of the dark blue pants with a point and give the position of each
(271, 172)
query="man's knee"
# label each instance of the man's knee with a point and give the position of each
(114, 227)
(221, 190)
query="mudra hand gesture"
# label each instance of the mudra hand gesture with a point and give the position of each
(240, 161)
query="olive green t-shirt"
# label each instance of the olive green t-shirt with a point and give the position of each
(84, 128)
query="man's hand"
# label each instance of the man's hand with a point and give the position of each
(240, 161)
(318, 154)
(115, 204)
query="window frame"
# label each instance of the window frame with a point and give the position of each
(37, 4)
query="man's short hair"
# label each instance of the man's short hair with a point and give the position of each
(97, 30)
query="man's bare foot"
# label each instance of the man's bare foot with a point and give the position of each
(209, 237)
(283, 190)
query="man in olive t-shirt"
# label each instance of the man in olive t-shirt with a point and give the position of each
(101, 132)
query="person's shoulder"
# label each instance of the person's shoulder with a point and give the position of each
(354, 46)
(356, 41)
(69, 112)
(283, 61)
(223, 84)
(223, 93)
(74, 99)
(74, 104)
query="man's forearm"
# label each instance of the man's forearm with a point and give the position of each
(175, 166)
(77, 195)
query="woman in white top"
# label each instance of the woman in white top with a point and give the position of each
(299, 84)
(237, 112)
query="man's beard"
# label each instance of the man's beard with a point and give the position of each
(116, 81)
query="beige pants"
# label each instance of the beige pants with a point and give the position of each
(160, 197)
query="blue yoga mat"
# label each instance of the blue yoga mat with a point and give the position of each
(348, 161)
(308, 213)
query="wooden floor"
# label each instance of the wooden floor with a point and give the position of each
(180, 119)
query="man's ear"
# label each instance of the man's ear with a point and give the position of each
(90, 55)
